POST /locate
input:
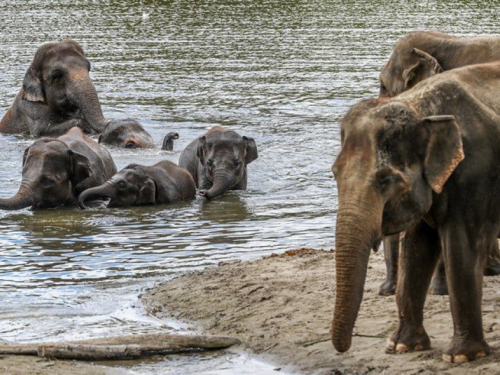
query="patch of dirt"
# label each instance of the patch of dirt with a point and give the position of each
(281, 308)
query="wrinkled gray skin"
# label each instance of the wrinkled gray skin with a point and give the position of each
(139, 185)
(421, 163)
(422, 54)
(418, 56)
(128, 133)
(218, 161)
(57, 170)
(57, 94)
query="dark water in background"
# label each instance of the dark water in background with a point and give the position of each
(282, 72)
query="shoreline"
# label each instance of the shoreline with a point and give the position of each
(281, 306)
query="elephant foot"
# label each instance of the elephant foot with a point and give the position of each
(387, 288)
(466, 353)
(403, 341)
(492, 267)
(438, 286)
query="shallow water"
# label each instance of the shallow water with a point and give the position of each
(282, 72)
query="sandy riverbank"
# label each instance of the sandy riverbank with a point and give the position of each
(281, 308)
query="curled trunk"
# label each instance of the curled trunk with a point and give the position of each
(222, 182)
(105, 190)
(358, 227)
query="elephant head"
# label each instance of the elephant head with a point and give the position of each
(51, 173)
(224, 156)
(129, 187)
(59, 77)
(391, 163)
(126, 133)
(406, 67)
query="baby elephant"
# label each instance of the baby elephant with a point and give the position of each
(218, 161)
(129, 133)
(138, 185)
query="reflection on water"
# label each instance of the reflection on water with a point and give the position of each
(282, 72)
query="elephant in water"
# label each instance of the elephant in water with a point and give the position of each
(128, 133)
(422, 54)
(57, 170)
(218, 161)
(57, 94)
(424, 163)
(139, 185)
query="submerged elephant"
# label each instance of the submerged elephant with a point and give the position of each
(421, 163)
(138, 185)
(128, 133)
(218, 161)
(57, 94)
(57, 170)
(422, 54)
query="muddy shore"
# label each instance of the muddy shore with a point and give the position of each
(281, 306)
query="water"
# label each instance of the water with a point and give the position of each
(283, 72)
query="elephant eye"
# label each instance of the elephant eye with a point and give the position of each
(122, 185)
(386, 177)
(47, 181)
(237, 163)
(210, 163)
(57, 77)
(130, 144)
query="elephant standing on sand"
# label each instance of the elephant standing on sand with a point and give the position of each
(426, 163)
(128, 133)
(57, 170)
(218, 161)
(57, 94)
(139, 185)
(416, 57)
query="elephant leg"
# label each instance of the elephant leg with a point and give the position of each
(492, 267)
(417, 260)
(391, 254)
(465, 287)
(439, 287)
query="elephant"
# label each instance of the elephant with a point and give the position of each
(218, 161)
(129, 133)
(139, 185)
(57, 170)
(57, 94)
(422, 54)
(417, 56)
(420, 163)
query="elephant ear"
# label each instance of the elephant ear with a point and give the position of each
(33, 80)
(200, 150)
(79, 167)
(251, 148)
(147, 192)
(444, 150)
(425, 67)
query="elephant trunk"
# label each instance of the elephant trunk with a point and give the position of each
(357, 230)
(222, 182)
(86, 99)
(105, 190)
(24, 198)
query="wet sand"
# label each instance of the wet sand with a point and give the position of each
(281, 308)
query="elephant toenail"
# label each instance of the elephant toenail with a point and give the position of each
(461, 358)
(481, 354)
(419, 347)
(400, 348)
(391, 345)
(447, 358)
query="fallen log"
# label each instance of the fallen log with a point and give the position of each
(119, 347)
